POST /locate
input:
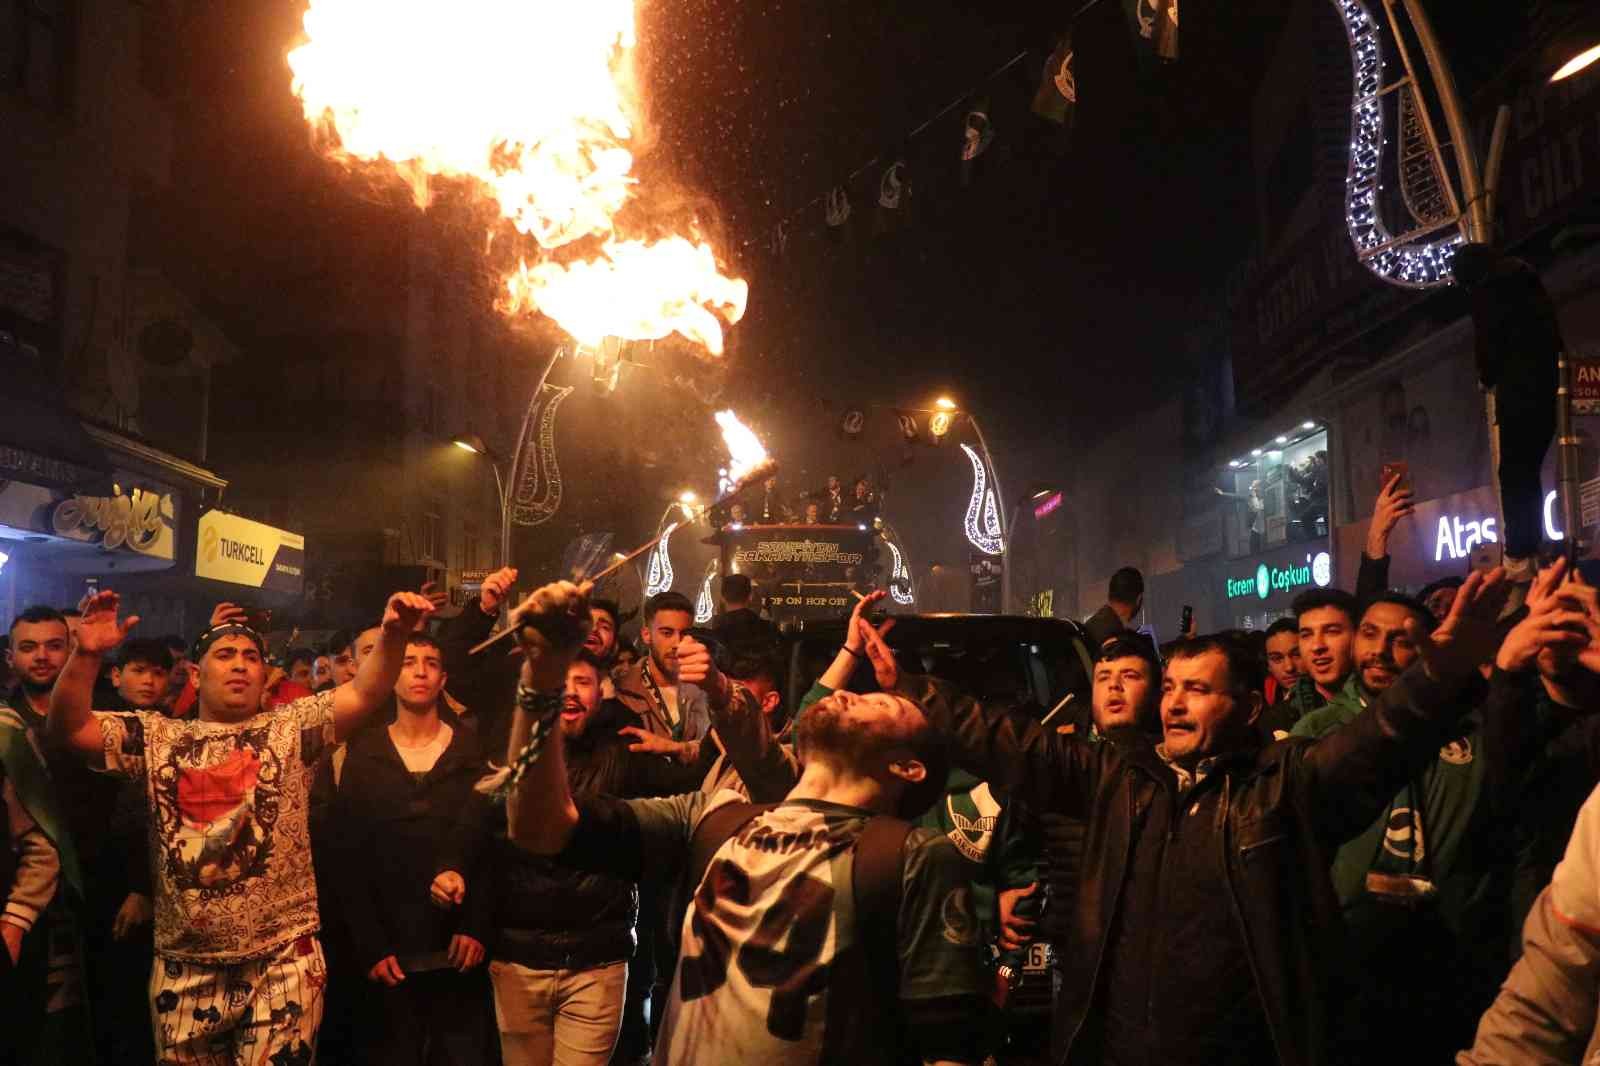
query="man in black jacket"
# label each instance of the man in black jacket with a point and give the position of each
(410, 831)
(1205, 924)
(562, 939)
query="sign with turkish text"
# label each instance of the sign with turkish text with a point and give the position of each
(1586, 385)
(802, 572)
(235, 549)
(1294, 576)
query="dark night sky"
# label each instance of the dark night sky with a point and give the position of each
(1055, 295)
(1080, 264)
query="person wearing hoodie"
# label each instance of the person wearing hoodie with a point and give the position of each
(410, 833)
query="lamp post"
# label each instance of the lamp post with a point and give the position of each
(471, 442)
(1037, 493)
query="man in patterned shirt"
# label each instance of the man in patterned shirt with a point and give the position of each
(239, 972)
(780, 950)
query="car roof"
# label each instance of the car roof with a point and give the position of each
(919, 628)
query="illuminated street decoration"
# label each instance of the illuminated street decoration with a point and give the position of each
(536, 481)
(1420, 259)
(899, 577)
(658, 576)
(983, 514)
(706, 606)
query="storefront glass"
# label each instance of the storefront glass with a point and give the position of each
(1279, 492)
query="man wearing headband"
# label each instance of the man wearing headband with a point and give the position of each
(238, 960)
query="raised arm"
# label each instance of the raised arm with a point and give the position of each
(741, 725)
(374, 681)
(71, 721)
(1011, 751)
(552, 623)
(1394, 503)
(852, 652)
(1354, 771)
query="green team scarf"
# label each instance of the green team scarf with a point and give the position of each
(25, 768)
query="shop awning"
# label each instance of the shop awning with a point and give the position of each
(41, 441)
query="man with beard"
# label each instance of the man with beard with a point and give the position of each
(881, 955)
(68, 805)
(100, 831)
(1205, 929)
(239, 964)
(410, 876)
(1426, 934)
(676, 717)
(562, 936)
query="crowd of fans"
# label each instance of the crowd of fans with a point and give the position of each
(1365, 835)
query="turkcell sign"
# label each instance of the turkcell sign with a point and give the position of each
(235, 549)
(1316, 570)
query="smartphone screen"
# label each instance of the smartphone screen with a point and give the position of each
(1400, 467)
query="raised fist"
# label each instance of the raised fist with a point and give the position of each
(554, 618)
(495, 589)
(406, 611)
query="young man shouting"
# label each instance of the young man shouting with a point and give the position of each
(239, 970)
(805, 942)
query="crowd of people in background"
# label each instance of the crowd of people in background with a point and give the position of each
(830, 504)
(1366, 834)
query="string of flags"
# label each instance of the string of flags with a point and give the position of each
(1153, 26)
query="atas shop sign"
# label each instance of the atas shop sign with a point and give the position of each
(1316, 570)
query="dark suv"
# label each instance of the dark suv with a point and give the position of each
(1040, 666)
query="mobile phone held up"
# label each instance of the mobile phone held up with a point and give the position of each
(1400, 467)
(1188, 620)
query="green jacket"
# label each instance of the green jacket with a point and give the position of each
(1431, 828)
(25, 767)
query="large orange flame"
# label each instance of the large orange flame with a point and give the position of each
(531, 101)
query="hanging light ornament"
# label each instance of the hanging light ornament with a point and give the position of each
(705, 606)
(1420, 258)
(659, 576)
(982, 523)
(900, 589)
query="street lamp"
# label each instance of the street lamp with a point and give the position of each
(1037, 493)
(471, 442)
(1581, 61)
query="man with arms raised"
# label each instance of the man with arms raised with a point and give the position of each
(1204, 921)
(239, 970)
(819, 930)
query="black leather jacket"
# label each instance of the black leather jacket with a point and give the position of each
(1285, 808)
(549, 916)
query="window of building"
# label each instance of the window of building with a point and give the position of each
(1279, 492)
(471, 546)
(430, 534)
(35, 43)
(432, 410)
